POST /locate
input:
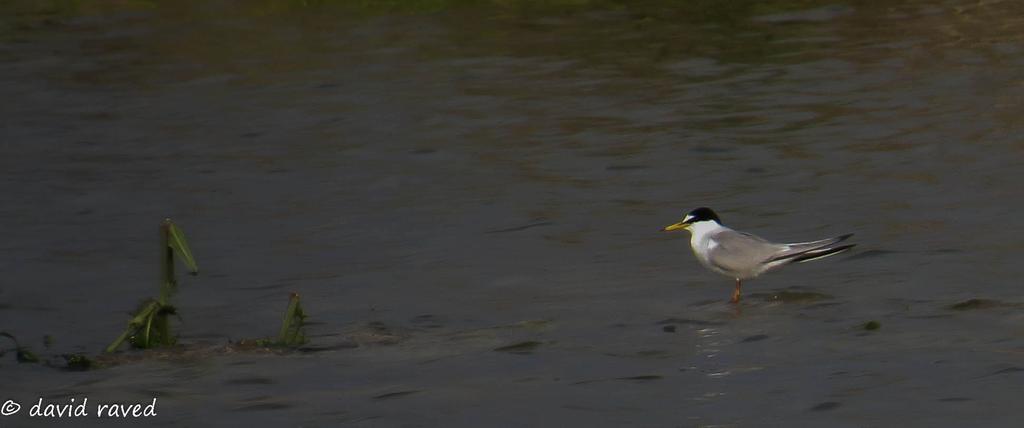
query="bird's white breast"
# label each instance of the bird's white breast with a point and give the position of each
(702, 243)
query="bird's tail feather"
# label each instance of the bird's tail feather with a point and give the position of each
(804, 251)
(820, 253)
(821, 243)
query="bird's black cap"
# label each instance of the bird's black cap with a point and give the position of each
(702, 214)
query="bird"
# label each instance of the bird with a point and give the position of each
(741, 255)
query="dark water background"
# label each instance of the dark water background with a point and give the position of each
(456, 178)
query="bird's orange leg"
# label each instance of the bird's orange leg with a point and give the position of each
(736, 293)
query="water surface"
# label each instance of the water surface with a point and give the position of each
(457, 179)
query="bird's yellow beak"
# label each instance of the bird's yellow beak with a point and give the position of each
(677, 226)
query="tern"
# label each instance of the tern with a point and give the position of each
(741, 255)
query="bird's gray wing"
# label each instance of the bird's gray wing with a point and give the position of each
(740, 252)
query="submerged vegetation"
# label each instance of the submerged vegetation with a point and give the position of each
(292, 333)
(150, 326)
(22, 354)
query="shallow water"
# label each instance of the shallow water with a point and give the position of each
(465, 179)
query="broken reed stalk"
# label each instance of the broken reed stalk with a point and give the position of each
(172, 241)
(168, 284)
(150, 326)
(142, 318)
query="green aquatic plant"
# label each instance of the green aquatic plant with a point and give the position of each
(150, 326)
(22, 353)
(78, 362)
(292, 333)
